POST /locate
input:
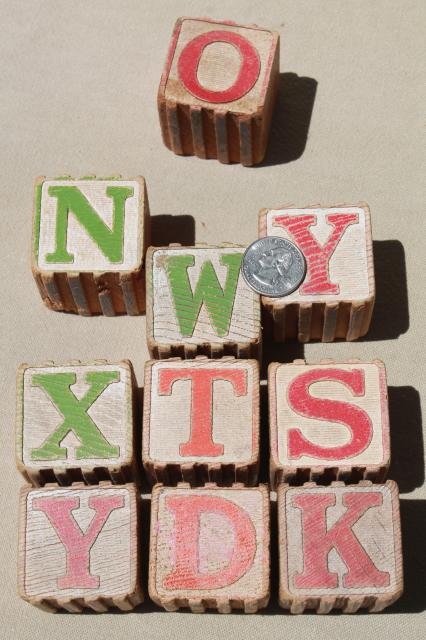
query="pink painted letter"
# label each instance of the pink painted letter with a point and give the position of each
(318, 542)
(187, 511)
(76, 543)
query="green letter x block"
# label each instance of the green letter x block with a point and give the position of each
(75, 421)
(199, 303)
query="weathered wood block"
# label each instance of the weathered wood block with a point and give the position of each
(75, 421)
(218, 88)
(201, 421)
(209, 548)
(89, 241)
(336, 298)
(328, 420)
(79, 547)
(199, 303)
(339, 547)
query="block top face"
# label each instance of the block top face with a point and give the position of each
(198, 296)
(337, 246)
(93, 225)
(75, 415)
(219, 65)
(186, 396)
(329, 414)
(99, 521)
(340, 540)
(211, 542)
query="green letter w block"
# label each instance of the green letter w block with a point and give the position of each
(93, 443)
(109, 241)
(219, 302)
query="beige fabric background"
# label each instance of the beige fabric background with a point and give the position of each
(78, 83)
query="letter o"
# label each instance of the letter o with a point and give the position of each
(190, 58)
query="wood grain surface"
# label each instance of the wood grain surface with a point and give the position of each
(218, 88)
(328, 420)
(89, 241)
(201, 420)
(209, 548)
(76, 422)
(79, 547)
(340, 547)
(336, 298)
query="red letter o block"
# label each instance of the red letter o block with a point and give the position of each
(190, 58)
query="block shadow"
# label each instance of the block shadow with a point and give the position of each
(390, 315)
(291, 119)
(407, 447)
(167, 229)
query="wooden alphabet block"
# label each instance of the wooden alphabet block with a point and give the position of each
(75, 422)
(89, 241)
(339, 547)
(209, 548)
(199, 303)
(336, 298)
(328, 420)
(218, 88)
(79, 547)
(201, 420)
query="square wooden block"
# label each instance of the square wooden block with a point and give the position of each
(218, 89)
(201, 420)
(75, 421)
(199, 303)
(336, 298)
(339, 547)
(79, 547)
(89, 241)
(328, 420)
(209, 548)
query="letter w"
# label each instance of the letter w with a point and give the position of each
(219, 302)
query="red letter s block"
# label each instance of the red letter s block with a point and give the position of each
(352, 417)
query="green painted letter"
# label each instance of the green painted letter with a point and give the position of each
(109, 241)
(76, 419)
(219, 302)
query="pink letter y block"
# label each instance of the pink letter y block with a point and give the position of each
(79, 547)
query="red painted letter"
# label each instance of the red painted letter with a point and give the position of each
(190, 57)
(77, 544)
(353, 417)
(187, 511)
(317, 257)
(200, 442)
(318, 542)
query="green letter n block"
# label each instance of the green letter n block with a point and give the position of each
(208, 291)
(109, 241)
(76, 419)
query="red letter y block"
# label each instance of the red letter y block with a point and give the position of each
(317, 256)
(202, 380)
(318, 542)
(77, 543)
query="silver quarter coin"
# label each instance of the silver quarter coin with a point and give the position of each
(273, 266)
